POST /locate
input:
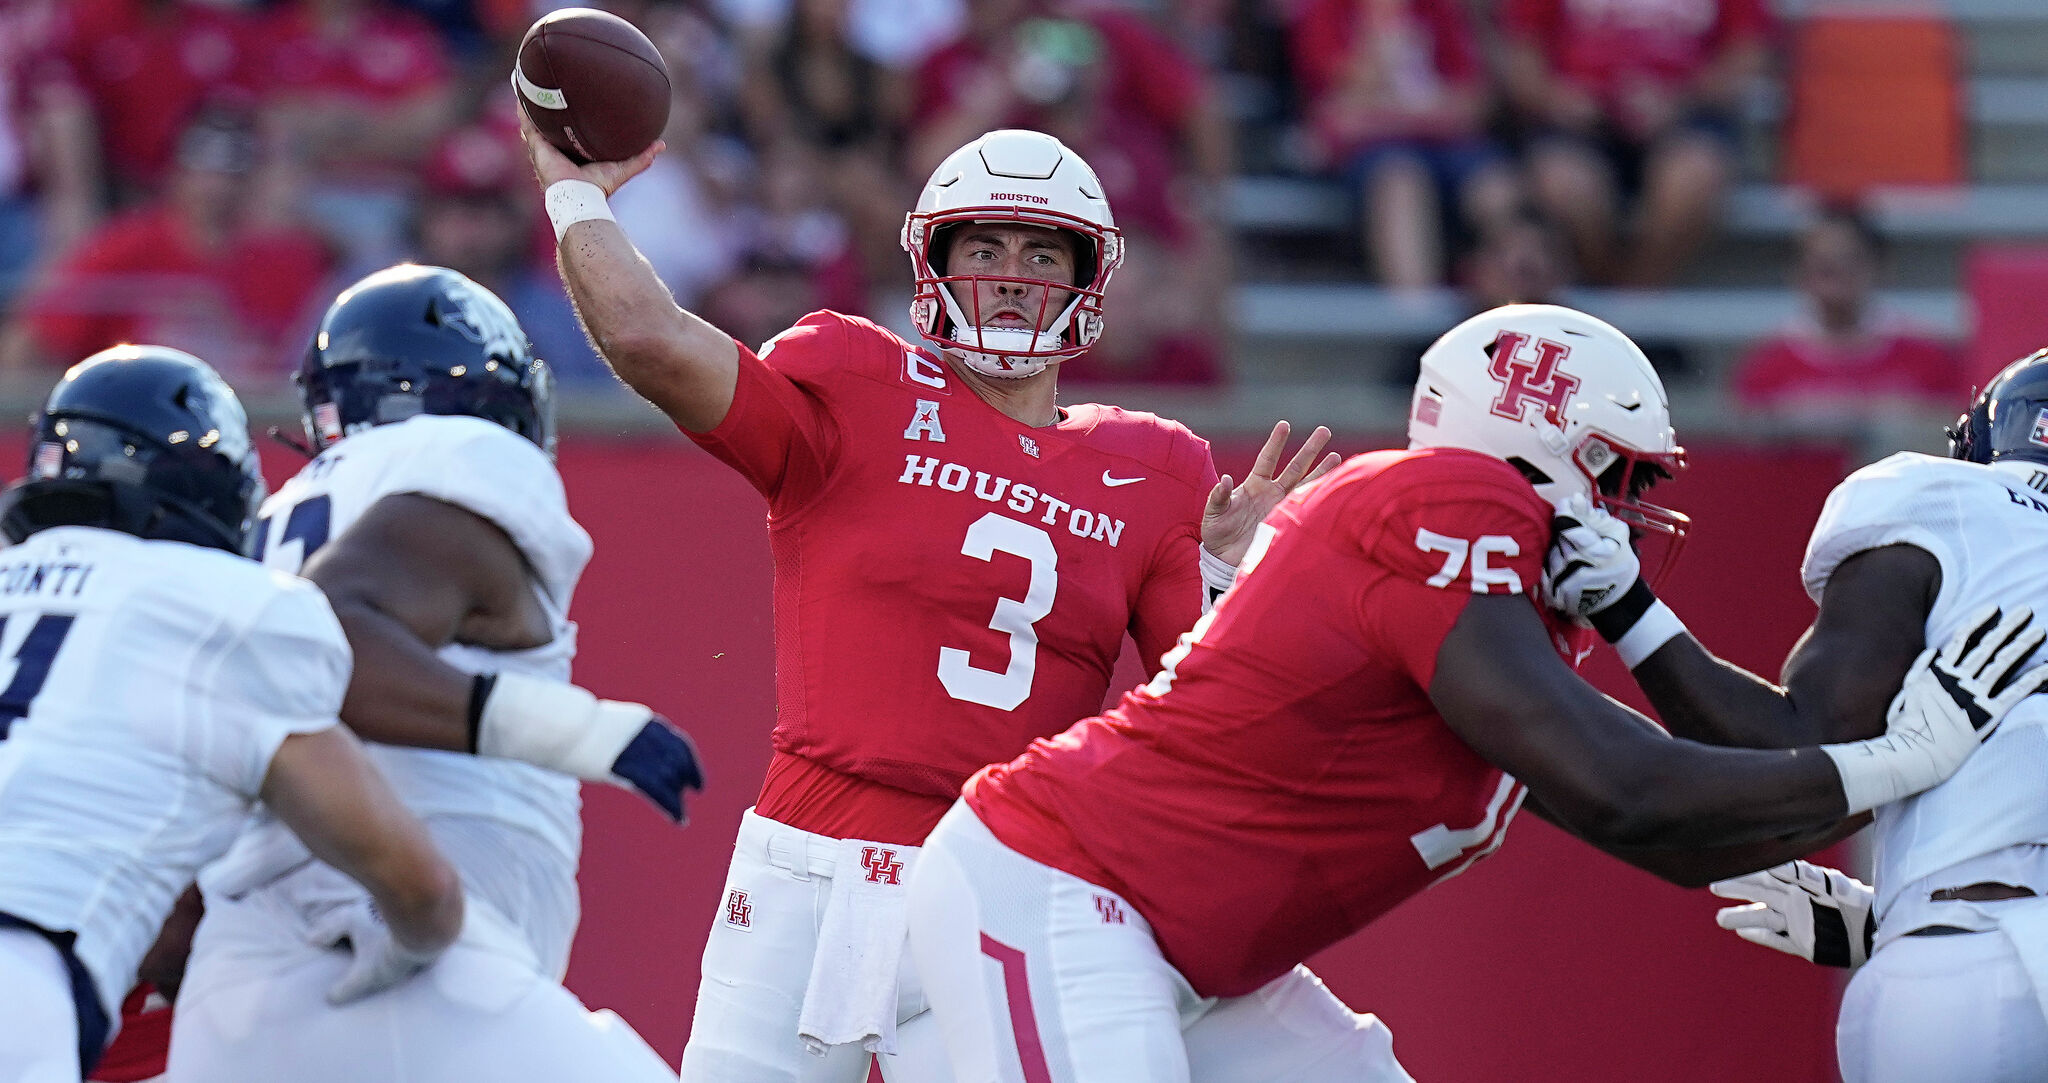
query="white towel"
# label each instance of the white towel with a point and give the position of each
(861, 938)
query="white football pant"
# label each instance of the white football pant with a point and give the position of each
(757, 968)
(39, 1029)
(254, 1007)
(1959, 1008)
(1036, 976)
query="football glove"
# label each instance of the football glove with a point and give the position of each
(556, 725)
(377, 961)
(1820, 914)
(1590, 564)
(1952, 699)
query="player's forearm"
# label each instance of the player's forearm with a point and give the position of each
(1703, 698)
(1668, 794)
(1700, 867)
(673, 358)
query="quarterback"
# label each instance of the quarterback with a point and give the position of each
(162, 683)
(1361, 716)
(959, 559)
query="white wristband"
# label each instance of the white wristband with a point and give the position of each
(556, 725)
(1873, 774)
(1217, 573)
(1657, 626)
(571, 201)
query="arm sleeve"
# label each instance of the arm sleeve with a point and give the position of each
(779, 433)
(495, 473)
(285, 674)
(1905, 499)
(1438, 542)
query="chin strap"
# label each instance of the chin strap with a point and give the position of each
(287, 440)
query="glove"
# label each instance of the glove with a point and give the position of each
(1820, 914)
(1590, 564)
(1952, 699)
(561, 727)
(377, 961)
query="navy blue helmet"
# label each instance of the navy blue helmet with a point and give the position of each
(2009, 420)
(412, 340)
(145, 440)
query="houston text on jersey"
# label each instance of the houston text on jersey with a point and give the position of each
(1022, 498)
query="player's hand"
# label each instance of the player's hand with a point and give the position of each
(661, 763)
(1234, 512)
(377, 961)
(561, 727)
(551, 165)
(1590, 564)
(1820, 914)
(1952, 699)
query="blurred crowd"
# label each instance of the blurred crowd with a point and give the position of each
(203, 173)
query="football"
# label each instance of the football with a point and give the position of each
(592, 84)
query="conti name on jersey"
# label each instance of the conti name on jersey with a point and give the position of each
(1024, 499)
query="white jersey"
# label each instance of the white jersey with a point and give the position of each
(1988, 527)
(150, 683)
(501, 476)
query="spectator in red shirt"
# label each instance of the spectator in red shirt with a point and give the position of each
(1845, 352)
(208, 269)
(48, 164)
(356, 91)
(1141, 112)
(147, 67)
(1633, 98)
(1395, 95)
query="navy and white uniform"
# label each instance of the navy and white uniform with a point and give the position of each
(1971, 1004)
(148, 685)
(253, 1006)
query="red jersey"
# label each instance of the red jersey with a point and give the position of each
(1286, 779)
(1607, 45)
(949, 583)
(143, 277)
(147, 68)
(1800, 370)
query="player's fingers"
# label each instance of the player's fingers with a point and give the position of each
(1328, 464)
(1754, 918)
(1773, 941)
(1298, 467)
(634, 166)
(1219, 498)
(1269, 456)
(1742, 887)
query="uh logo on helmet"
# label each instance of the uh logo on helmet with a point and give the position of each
(1011, 177)
(1564, 398)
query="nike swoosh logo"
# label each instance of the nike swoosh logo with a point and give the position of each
(1114, 482)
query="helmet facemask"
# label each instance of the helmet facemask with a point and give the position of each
(998, 350)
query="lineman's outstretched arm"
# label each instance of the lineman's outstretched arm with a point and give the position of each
(1839, 678)
(1702, 866)
(414, 574)
(1612, 779)
(675, 360)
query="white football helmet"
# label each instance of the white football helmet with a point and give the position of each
(1563, 397)
(1020, 177)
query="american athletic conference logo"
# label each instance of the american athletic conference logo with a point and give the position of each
(1526, 380)
(882, 866)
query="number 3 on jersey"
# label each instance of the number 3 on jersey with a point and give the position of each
(1004, 690)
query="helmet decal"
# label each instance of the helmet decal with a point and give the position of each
(2040, 434)
(1527, 380)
